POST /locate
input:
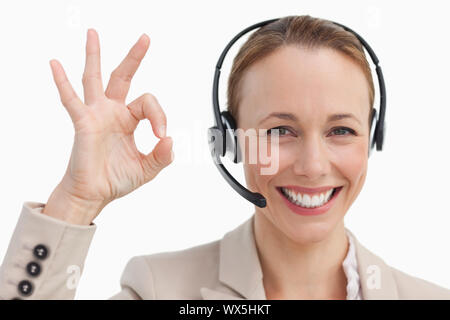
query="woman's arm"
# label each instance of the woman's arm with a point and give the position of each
(46, 254)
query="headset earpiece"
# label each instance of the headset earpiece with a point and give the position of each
(230, 139)
(380, 133)
(372, 128)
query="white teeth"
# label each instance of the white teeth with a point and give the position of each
(315, 201)
(305, 200)
(292, 194)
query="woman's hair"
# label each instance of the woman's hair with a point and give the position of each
(302, 31)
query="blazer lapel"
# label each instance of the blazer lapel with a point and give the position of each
(376, 278)
(240, 273)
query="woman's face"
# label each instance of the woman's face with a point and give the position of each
(310, 85)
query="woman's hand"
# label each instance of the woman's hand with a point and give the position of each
(105, 163)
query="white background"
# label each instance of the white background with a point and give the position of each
(401, 214)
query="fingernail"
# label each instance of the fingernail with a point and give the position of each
(162, 131)
(142, 36)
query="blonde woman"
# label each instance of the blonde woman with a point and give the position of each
(295, 75)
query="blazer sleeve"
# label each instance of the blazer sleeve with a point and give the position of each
(45, 257)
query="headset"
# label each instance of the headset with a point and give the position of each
(223, 141)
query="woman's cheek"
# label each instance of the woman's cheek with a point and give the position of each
(351, 161)
(274, 160)
(270, 161)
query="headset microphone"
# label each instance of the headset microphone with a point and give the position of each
(223, 141)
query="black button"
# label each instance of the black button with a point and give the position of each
(33, 269)
(40, 251)
(25, 287)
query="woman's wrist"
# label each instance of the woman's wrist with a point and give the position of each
(71, 209)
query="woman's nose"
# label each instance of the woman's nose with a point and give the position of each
(311, 158)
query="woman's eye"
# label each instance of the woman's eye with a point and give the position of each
(343, 129)
(281, 130)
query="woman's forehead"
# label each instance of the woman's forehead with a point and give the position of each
(304, 81)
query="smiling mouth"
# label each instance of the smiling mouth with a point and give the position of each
(308, 201)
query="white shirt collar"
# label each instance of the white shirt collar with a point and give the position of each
(350, 266)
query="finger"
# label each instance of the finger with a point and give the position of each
(148, 107)
(160, 157)
(120, 80)
(92, 77)
(68, 96)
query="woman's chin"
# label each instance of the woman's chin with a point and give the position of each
(306, 233)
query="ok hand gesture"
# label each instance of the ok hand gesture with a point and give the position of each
(105, 163)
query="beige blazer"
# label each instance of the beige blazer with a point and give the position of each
(46, 256)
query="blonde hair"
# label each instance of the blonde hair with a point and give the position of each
(304, 31)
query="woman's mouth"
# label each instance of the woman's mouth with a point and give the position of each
(309, 204)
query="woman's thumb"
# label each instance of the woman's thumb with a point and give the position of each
(159, 158)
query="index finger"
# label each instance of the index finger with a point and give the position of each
(120, 80)
(148, 107)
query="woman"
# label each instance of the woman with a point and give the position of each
(292, 78)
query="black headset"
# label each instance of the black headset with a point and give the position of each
(222, 139)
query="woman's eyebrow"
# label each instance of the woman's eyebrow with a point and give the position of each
(339, 116)
(280, 115)
(293, 117)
